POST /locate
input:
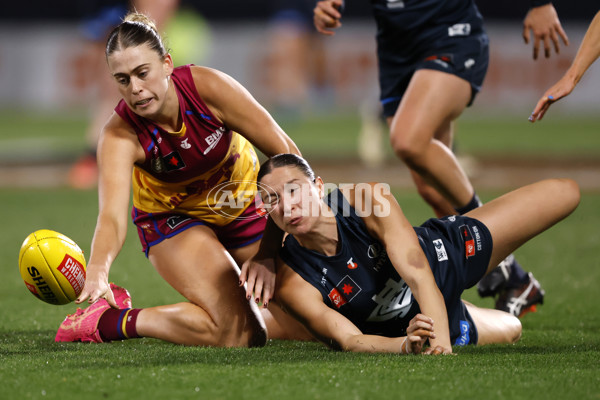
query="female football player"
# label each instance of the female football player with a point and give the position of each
(433, 57)
(357, 275)
(182, 137)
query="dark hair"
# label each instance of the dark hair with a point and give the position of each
(135, 30)
(285, 160)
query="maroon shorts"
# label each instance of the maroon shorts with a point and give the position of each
(153, 228)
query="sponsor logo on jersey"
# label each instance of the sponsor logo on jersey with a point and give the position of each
(377, 252)
(440, 250)
(351, 264)
(213, 139)
(393, 301)
(185, 144)
(373, 250)
(464, 338)
(176, 220)
(469, 241)
(323, 279)
(459, 30)
(395, 4)
(336, 298)
(344, 292)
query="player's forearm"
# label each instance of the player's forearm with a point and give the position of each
(431, 303)
(106, 244)
(588, 52)
(374, 344)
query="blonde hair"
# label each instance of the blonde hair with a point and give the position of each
(135, 30)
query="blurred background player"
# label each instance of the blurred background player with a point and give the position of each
(433, 56)
(101, 17)
(588, 52)
(295, 60)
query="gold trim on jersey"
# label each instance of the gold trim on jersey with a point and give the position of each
(181, 132)
(217, 196)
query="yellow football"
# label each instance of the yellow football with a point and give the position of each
(52, 266)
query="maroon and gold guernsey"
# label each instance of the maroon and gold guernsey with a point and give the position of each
(182, 169)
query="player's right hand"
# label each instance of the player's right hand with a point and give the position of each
(327, 16)
(96, 287)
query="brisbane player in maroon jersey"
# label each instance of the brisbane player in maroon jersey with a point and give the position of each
(183, 138)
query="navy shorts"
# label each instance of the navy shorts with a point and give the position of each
(464, 56)
(458, 249)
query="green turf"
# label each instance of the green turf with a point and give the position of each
(557, 358)
(334, 136)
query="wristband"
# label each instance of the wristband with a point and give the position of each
(403, 349)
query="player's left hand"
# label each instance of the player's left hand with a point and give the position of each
(544, 23)
(260, 278)
(419, 330)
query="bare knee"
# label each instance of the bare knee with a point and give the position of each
(409, 151)
(514, 329)
(570, 193)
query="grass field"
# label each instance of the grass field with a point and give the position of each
(558, 356)
(332, 137)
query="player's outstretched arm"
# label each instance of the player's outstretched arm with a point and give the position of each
(401, 243)
(118, 149)
(588, 52)
(306, 304)
(543, 22)
(327, 16)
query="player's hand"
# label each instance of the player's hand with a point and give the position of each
(545, 25)
(259, 275)
(96, 286)
(327, 16)
(560, 89)
(438, 350)
(420, 328)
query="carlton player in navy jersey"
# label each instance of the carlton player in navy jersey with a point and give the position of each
(361, 278)
(433, 57)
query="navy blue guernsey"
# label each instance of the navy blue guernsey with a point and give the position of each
(408, 24)
(361, 283)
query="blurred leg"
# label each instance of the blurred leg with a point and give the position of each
(432, 101)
